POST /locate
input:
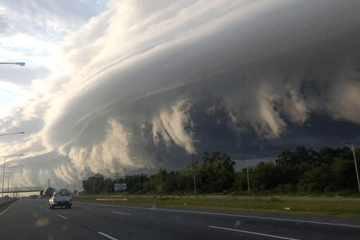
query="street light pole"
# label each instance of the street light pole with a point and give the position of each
(16, 63)
(15, 194)
(194, 178)
(5, 134)
(10, 173)
(9, 183)
(4, 171)
(22, 64)
(357, 174)
(10, 179)
(193, 163)
(248, 176)
(2, 194)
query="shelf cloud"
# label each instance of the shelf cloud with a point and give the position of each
(131, 88)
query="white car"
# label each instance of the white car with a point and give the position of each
(60, 199)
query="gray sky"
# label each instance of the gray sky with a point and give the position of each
(130, 86)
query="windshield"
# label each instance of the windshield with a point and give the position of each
(63, 193)
(137, 114)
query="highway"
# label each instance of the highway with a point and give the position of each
(32, 219)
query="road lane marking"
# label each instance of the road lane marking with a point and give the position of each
(7, 208)
(47, 210)
(255, 233)
(122, 213)
(231, 215)
(87, 208)
(62, 216)
(109, 237)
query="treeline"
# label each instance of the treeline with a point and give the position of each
(98, 184)
(302, 171)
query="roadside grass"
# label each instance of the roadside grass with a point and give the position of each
(243, 194)
(316, 207)
(6, 205)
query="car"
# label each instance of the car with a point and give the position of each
(60, 199)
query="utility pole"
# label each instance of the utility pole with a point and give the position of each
(248, 176)
(9, 181)
(139, 184)
(357, 174)
(14, 189)
(117, 181)
(192, 158)
(48, 183)
(3, 179)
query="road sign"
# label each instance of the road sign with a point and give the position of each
(120, 186)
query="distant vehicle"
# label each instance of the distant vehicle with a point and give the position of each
(60, 199)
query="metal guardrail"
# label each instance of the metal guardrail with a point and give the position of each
(4, 202)
(21, 189)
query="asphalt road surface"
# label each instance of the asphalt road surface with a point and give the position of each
(32, 219)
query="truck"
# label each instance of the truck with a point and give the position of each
(60, 199)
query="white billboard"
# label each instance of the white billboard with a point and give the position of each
(120, 186)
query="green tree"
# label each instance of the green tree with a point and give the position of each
(284, 158)
(93, 185)
(266, 176)
(241, 180)
(344, 172)
(184, 180)
(216, 173)
(156, 183)
(317, 179)
(171, 182)
(108, 186)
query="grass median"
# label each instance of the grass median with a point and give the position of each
(296, 206)
(6, 205)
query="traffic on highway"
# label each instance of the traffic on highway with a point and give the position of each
(31, 219)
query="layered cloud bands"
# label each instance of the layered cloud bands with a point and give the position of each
(131, 85)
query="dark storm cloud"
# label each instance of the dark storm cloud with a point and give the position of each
(254, 72)
(243, 78)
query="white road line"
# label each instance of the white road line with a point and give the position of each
(109, 237)
(255, 233)
(231, 215)
(47, 210)
(87, 208)
(7, 209)
(122, 213)
(62, 216)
